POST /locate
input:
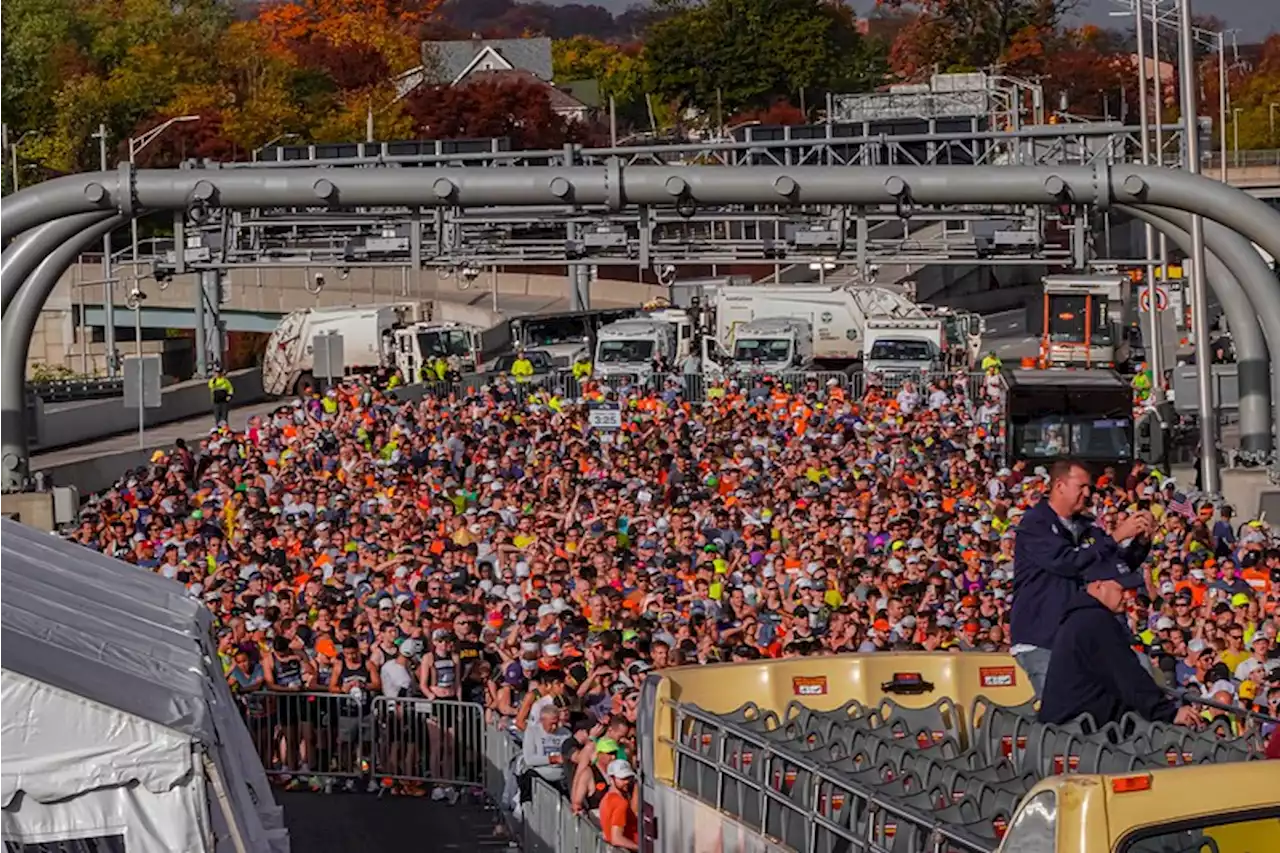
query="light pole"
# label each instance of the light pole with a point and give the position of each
(1223, 94)
(108, 287)
(1153, 310)
(13, 153)
(1199, 293)
(136, 145)
(1271, 117)
(1235, 133)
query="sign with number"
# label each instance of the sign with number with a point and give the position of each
(1144, 299)
(604, 416)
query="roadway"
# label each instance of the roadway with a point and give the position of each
(362, 823)
(191, 429)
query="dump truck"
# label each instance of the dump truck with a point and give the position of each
(375, 336)
(845, 320)
(910, 752)
(631, 347)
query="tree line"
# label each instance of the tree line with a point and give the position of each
(316, 70)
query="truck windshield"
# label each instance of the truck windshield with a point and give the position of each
(1067, 318)
(1081, 436)
(901, 350)
(552, 330)
(625, 352)
(445, 344)
(753, 349)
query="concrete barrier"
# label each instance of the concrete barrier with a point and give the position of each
(100, 419)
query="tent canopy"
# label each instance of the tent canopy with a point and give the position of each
(128, 646)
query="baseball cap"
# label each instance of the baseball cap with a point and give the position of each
(1106, 571)
(620, 769)
(607, 744)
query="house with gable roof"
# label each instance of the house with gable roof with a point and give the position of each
(463, 61)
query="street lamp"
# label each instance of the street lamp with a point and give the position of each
(264, 146)
(13, 155)
(136, 145)
(1271, 117)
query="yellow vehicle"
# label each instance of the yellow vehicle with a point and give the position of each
(916, 752)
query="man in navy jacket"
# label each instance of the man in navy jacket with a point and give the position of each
(1056, 544)
(1092, 669)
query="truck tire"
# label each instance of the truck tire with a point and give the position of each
(305, 385)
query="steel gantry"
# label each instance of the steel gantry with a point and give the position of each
(582, 233)
(33, 223)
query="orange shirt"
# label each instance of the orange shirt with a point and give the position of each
(615, 811)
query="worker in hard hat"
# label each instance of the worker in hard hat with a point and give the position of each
(522, 367)
(221, 391)
(991, 362)
(582, 366)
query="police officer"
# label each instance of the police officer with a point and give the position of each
(1092, 669)
(1057, 541)
(582, 367)
(992, 362)
(221, 391)
(521, 368)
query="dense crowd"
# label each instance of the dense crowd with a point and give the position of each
(494, 548)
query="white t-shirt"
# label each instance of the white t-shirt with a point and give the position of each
(396, 680)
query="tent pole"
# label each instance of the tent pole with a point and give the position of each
(224, 802)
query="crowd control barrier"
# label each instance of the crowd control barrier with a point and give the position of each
(338, 736)
(697, 387)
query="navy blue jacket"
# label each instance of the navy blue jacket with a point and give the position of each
(1093, 670)
(1048, 564)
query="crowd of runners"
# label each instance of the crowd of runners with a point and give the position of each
(489, 546)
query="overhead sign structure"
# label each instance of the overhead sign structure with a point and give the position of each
(604, 416)
(142, 389)
(1144, 299)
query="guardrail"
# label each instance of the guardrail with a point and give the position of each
(70, 390)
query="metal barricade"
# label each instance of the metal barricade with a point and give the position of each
(550, 826)
(428, 740)
(308, 733)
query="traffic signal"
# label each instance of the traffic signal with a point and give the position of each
(1150, 439)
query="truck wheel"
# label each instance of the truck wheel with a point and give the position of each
(305, 385)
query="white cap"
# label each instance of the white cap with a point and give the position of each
(1164, 623)
(552, 650)
(546, 610)
(620, 769)
(1222, 686)
(1196, 646)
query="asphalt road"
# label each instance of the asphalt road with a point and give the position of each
(363, 823)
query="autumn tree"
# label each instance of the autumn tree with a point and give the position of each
(617, 68)
(968, 35)
(517, 109)
(723, 56)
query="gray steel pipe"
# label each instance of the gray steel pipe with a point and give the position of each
(31, 248)
(616, 186)
(1227, 270)
(18, 325)
(1261, 286)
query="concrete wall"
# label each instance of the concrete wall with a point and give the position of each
(81, 423)
(279, 291)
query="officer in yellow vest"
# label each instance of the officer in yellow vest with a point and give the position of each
(991, 362)
(582, 367)
(221, 391)
(521, 368)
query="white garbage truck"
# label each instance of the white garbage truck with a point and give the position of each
(400, 335)
(633, 347)
(845, 322)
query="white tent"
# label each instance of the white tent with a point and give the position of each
(117, 722)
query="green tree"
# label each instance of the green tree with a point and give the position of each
(617, 68)
(724, 56)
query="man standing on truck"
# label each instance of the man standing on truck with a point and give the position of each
(582, 367)
(1092, 669)
(1056, 543)
(992, 362)
(221, 390)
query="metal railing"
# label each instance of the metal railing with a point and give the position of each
(696, 388)
(67, 390)
(428, 740)
(341, 736)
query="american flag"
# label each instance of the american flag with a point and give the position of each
(1181, 505)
